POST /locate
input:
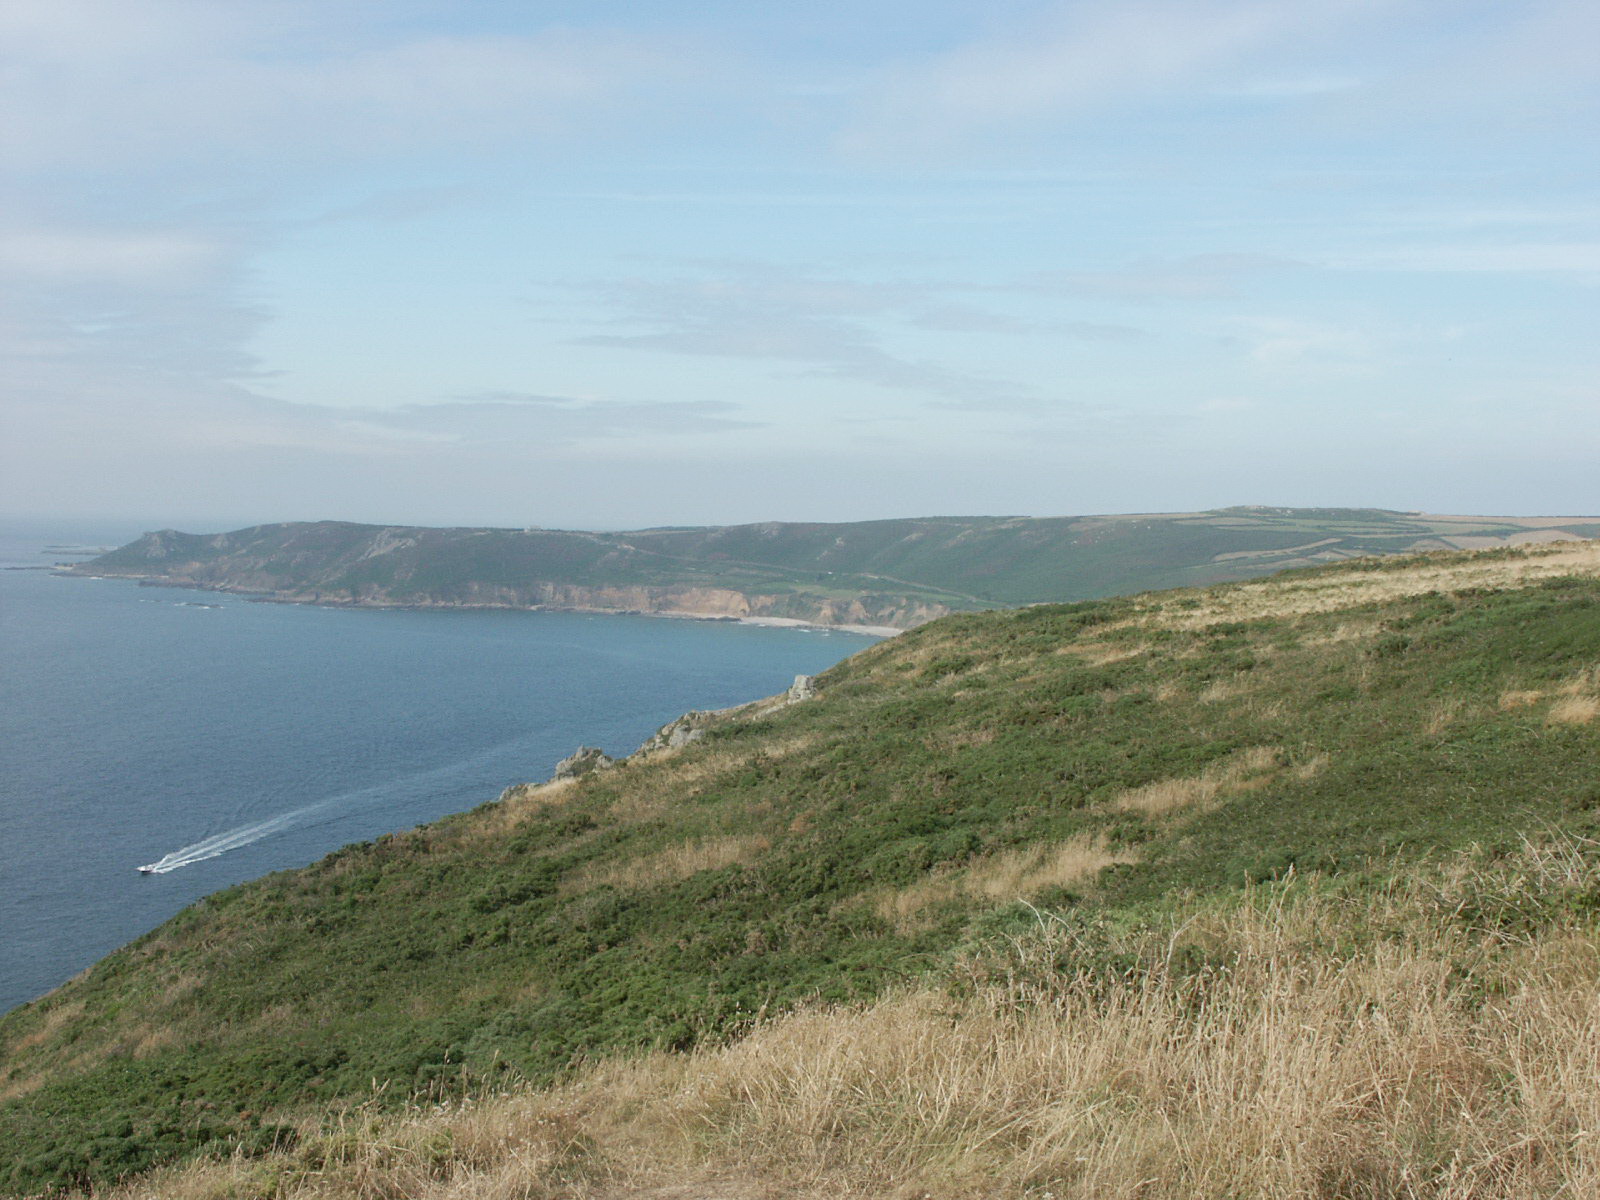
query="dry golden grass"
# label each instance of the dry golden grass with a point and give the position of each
(903, 908)
(57, 1017)
(1520, 698)
(1440, 715)
(1452, 1062)
(1251, 768)
(1002, 878)
(1274, 710)
(1169, 794)
(1345, 631)
(532, 797)
(1586, 680)
(1220, 690)
(675, 862)
(155, 1041)
(1574, 710)
(645, 794)
(1335, 591)
(518, 804)
(1576, 701)
(1310, 768)
(54, 1020)
(672, 774)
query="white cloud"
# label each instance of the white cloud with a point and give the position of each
(1083, 58)
(1196, 277)
(1284, 343)
(100, 83)
(1473, 79)
(1224, 405)
(1288, 89)
(142, 257)
(1577, 258)
(831, 327)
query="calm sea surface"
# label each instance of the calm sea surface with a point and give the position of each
(225, 738)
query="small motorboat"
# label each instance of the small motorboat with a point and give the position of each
(147, 870)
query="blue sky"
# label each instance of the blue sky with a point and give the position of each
(610, 264)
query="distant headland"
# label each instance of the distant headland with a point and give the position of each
(877, 576)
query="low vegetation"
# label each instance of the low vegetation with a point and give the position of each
(1429, 1032)
(1287, 887)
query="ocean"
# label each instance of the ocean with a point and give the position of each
(221, 738)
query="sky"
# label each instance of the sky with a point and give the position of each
(607, 265)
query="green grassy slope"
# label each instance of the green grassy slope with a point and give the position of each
(1099, 758)
(898, 572)
(1019, 560)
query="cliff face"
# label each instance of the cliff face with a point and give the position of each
(393, 567)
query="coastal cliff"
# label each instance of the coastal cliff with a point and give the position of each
(336, 563)
(885, 575)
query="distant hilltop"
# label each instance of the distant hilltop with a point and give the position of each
(877, 575)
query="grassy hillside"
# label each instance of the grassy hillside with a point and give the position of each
(1307, 1037)
(336, 562)
(897, 573)
(1023, 560)
(1028, 811)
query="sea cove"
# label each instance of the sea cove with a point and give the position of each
(140, 721)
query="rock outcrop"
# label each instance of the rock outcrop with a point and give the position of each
(583, 761)
(680, 731)
(695, 723)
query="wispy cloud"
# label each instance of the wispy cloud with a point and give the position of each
(967, 318)
(1282, 344)
(121, 296)
(1290, 88)
(1096, 207)
(502, 417)
(146, 257)
(1195, 277)
(832, 327)
(1078, 59)
(1580, 258)
(100, 83)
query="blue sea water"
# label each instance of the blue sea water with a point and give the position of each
(226, 738)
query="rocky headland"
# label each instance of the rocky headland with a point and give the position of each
(875, 576)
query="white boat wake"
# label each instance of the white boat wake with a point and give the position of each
(221, 843)
(331, 809)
